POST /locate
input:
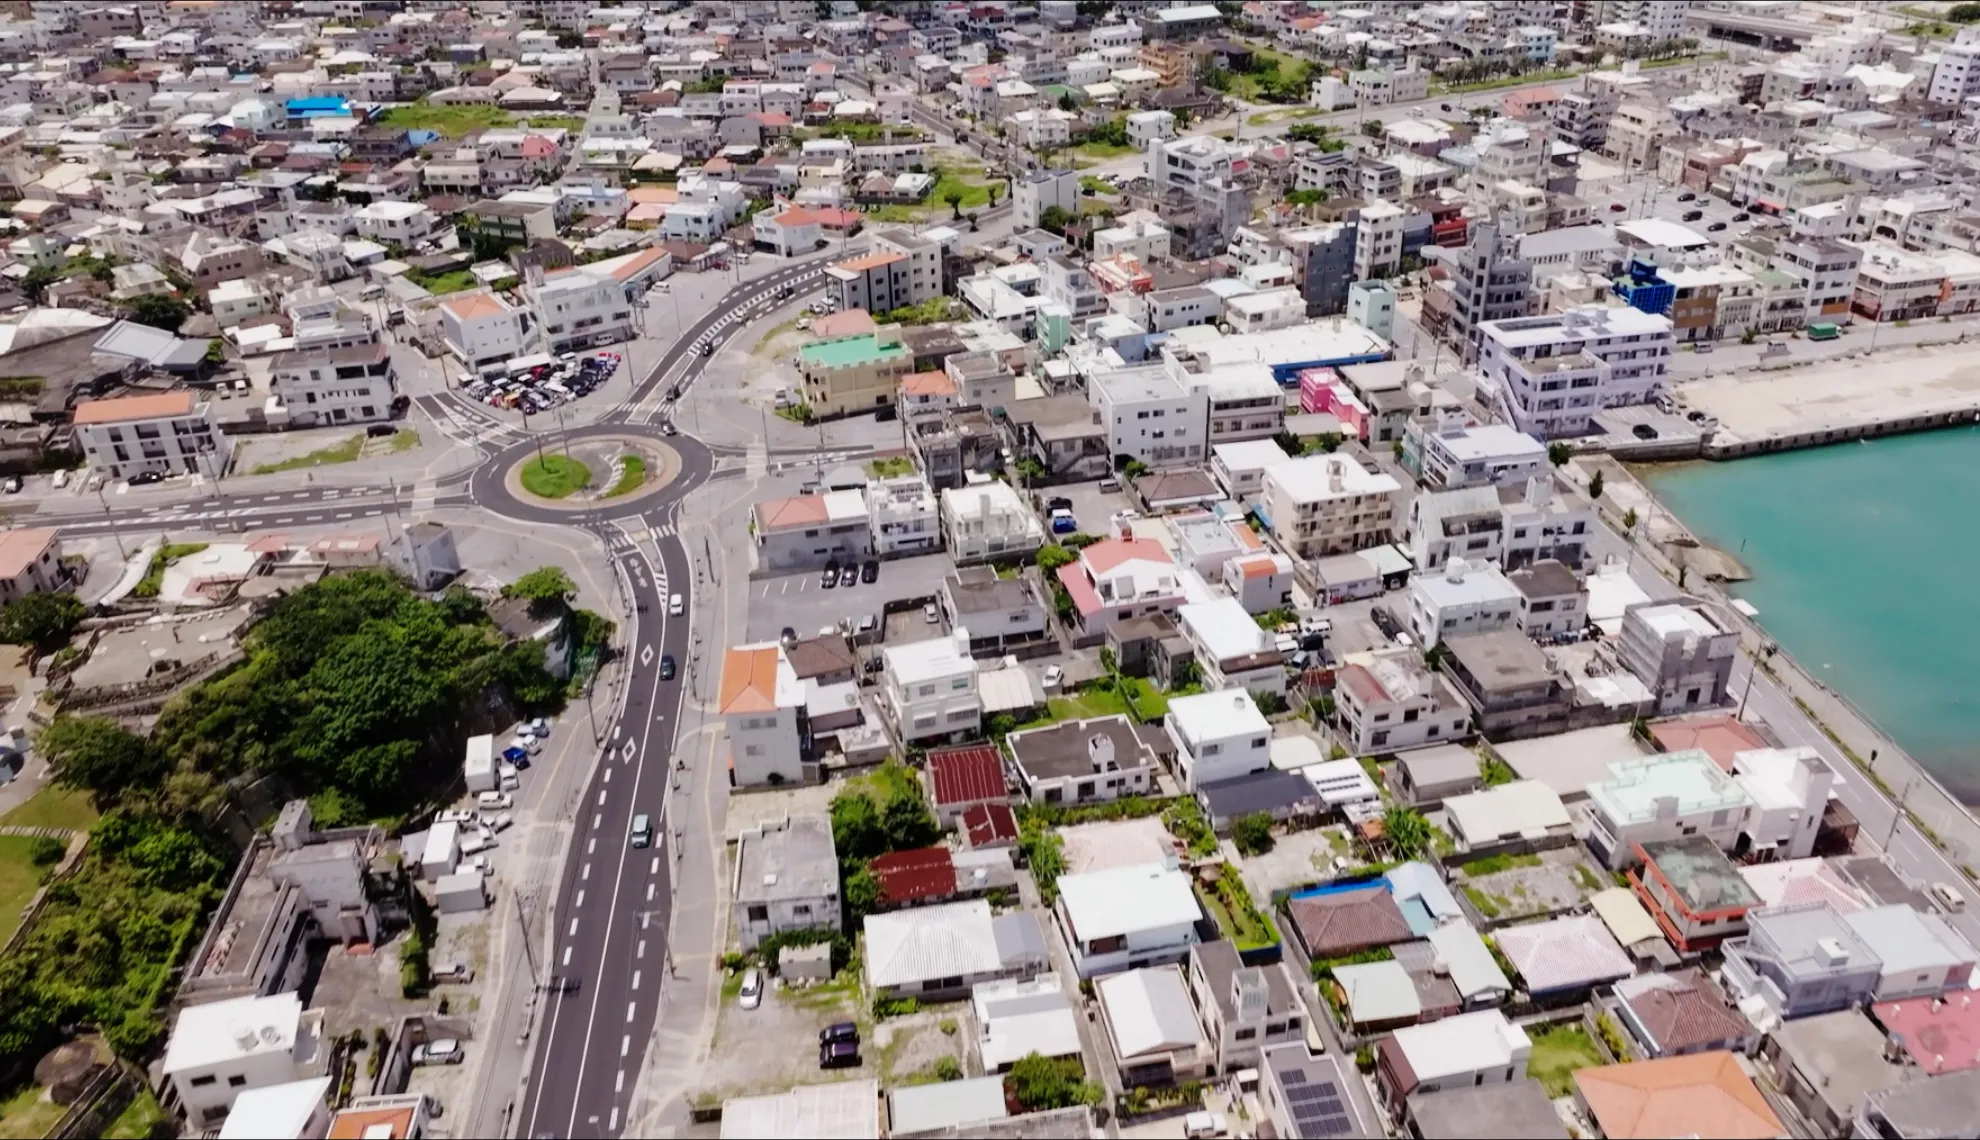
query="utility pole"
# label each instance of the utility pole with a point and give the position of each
(112, 521)
(529, 956)
(1767, 651)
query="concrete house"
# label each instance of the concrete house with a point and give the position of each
(1664, 796)
(1682, 650)
(1128, 917)
(763, 710)
(1242, 1009)
(221, 1049)
(1083, 761)
(945, 950)
(1801, 960)
(1218, 736)
(1467, 1050)
(786, 878)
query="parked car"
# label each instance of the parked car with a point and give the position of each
(516, 756)
(455, 815)
(870, 572)
(1693, 215)
(1715, 227)
(445, 1051)
(146, 478)
(458, 974)
(829, 577)
(494, 801)
(930, 614)
(839, 1055)
(1643, 431)
(1054, 676)
(751, 994)
(1617, 207)
(1686, 196)
(1741, 216)
(841, 1031)
(14, 484)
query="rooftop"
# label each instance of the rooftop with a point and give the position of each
(851, 352)
(1148, 1012)
(1682, 1011)
(124, 409)
(1942, 1035)
(1564, 953)
(926, 943)
(1343, 922)
(1467, 1043)
(1505, 1109)
(1065, 750)
(1690, 780)
(966, 774)
(1701, 1094)
(842, 1110)
(1500, 661)
(1839, 1054)
(795, 860)
(1125, 900)
(1704, 879)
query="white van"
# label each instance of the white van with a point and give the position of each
(61, 478)
(675, 606)
(1948, 898)
(642, 831)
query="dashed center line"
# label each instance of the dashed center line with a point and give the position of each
(585, 871)
(567, 955)
(640, 950)
(573, 932)
(579, 904)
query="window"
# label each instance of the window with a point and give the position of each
(759, 914)
(1246, 1034)
(236, 1081)
(201, 1082)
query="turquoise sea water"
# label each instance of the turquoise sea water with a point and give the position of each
(1866, 567)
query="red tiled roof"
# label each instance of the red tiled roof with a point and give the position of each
(1108, 553)
(913, 876)
(1347, 921)
(1363, 684)
(1942, 1035)
(1687, 1014)
(990, 825)
(966, 775)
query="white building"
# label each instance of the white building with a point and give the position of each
(1378, 236)
(1789, 788)
(1461, 1052)
(338, 386)
(1956, 76)
(1040, 190)
(903, 516)
(579, 308)
(1549, 375)
(169, 432)
(762, 707)
(1393, 703)
(1328, 504)
(1379, 87)
(484, 332)
(1218, 736)
(1669, 795)
(224, 1048)
(786, 878)
(989, 520)
(401, 223)
(1150, 415)
(1457, 455)
(1231, 649)
(930, 688)
(1144, 127)
(1461, 598)
(1128, 917)
(1143, 239)
(239, 300)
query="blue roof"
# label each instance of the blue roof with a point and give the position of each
(421, 138)
(318, 105)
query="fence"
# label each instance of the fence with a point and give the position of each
(106, 1097)
(71, 860)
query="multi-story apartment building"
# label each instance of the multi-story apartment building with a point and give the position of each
(577, 308)
(903, 516)
(1328, 504)
(1453, 454)
(988, 520)
(1682, 650)
(851, 374)
(1892, 285)
(1489, 282)
(170, 432)
(485, 332)
(1151, 415)
(1458, 599)
(1377, 240)
(335, 386)
(1040, 190)
(930, 689)
(1668, 795)
(1381, 86)
(1200, 167)
(1394, 703)
(1956, 76)
(1549, 375)
(1323, 264)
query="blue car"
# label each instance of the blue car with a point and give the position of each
(517, 756)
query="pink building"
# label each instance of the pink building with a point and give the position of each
(1119, 578)
(1323, 390)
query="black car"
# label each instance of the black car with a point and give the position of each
(381, 430)
(870, 573)
(666, 667)
(830, 576)
(1693, 215)
(788, 635)
(1644, 431)
(1741, 216)
(843, 1031)
(146, 478)
(1686, 196)
(838, 1055)
(1715, 227)
(849, 576)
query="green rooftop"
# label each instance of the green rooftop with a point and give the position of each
(851, 351)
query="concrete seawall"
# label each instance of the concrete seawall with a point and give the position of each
(1728, 446)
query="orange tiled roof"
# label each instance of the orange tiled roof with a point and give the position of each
(1700, 1094)
(749, 681)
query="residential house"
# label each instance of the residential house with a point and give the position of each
(1829, 1066)
(988, 520)
(167, 432)
(1511, 686)
(1001, 614)
(1451, 455)
(1790, 789)
(1515, 815)
(1669, 795)
(1083, 761)
(485, 332)
(1460, 599)
(1921, 955)
(930, 690)
(808, 531)
(962, 778)
(1938, 1109)
(1116, 579)
(786, 878)
(579, 307)
(1152, 1026)
(1693, 891)
(221, 1049)
(1801, 960)
(1242, 1009)
(1016, 1019)
(944, 951)
(1323, 1106)
(1699, 1094)
(1341, 923)
(1394, 703)
(1682, 650)
(1126, 918)
(1231, 649)
(902, 516)
(762, 705)
(1680, 1012)
(335, 386)
(30, 562)
(1218, 736)
(1564, 956)
(1552, 602)
(1470, 1049)
(1502, 1108)
(1473, 971)
(1426, 777)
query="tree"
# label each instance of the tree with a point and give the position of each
(1408, 832)
(954, 199)
(1629, 521)
(547, 589)
(1054, 219)
(856, 830)
(1495, 771)
(1042, 1083)
(160, 311)
(37, 281)
(908, 824)
(42, 621)
(1559, 453)
(1964, 13)
(1252, 833)
(96, 755)
(1184, 117)
(996, 189)
(1052, 556)
(1068, 103)
(861, 894)
(1595, 486)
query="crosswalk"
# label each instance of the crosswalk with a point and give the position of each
(467, 428)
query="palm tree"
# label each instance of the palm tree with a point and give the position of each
(1407, 831)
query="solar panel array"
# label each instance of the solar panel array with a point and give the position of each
(1317, 1109)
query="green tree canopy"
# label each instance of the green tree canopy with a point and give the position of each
(160, 311)
(856, 829)
(43, 621)
(861, 895)
(547, 589)
(1052, 556)
(1408, 832)
(96, 755)
(1252, 833)
(1042, 1083)
(1054, 219)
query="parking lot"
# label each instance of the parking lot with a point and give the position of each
(571, 376)
(799, 602)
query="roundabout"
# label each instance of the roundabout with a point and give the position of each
(606, 471)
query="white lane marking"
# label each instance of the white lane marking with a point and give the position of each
(649, 892)
(282, 522)
(344, 514)
(579, 904)
(615, 731)
(630, 1007)
(614, 1125)
(585, 872)
(635, 984)
(567, 955)
(573, 926)
(591, 845)
(655, 868)
(608, 775)
(619, 1082)
(596, 819)
(601, 797)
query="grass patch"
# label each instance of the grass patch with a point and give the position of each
(571, 123)
(1493, 864)
(1093, 184)
(53, 806)
(1267, 118)
(895, 214)
(1103, 151)
(18, 879)
(555, 477)
(1150, 703)
(890, 467)
(1586, 879)
(452, 122)
(1520, 80)
(766, 345)
(632, 476)
(974, 194)
(344, 451)
(1087, 703)
(403, 440)
(1488, 905)
(154, 575)
(1557, 1053)
(457, 281)
(1230, 903)
(26, 1114)
(140, 1120)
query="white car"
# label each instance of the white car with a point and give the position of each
(497, 822)
(481, 839)
(445, 1051)
(494, 801)
(530, 744)
(478, 864)
(539, 728)
(751, 995)
(1054, 676)
(455, 815)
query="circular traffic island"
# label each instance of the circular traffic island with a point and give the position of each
(608, 473)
